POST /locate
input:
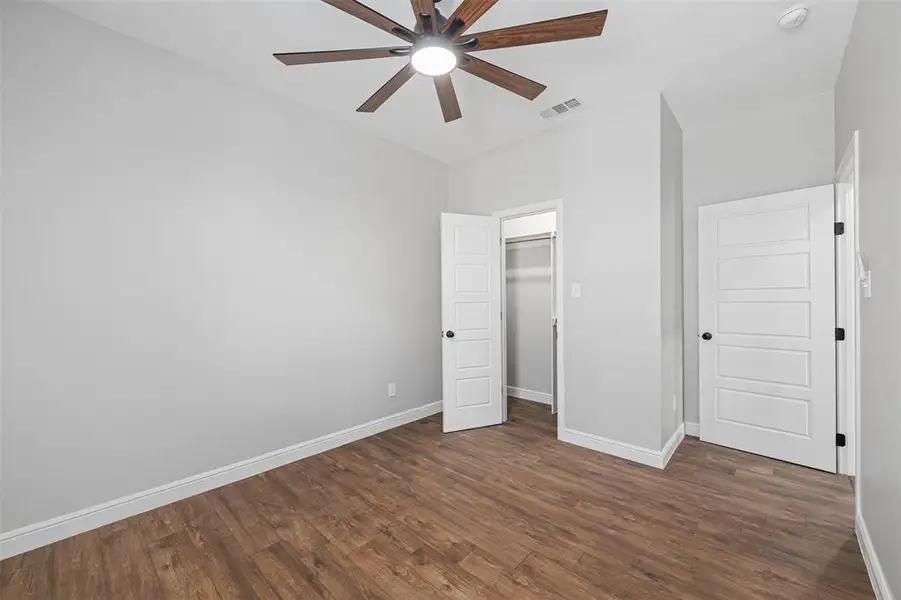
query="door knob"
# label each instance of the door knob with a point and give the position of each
(706, 336)
(449, 334)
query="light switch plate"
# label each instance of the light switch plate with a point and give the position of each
(577, 290)
(392, 390)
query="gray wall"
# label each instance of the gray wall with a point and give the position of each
(607, 171)
(192, 270)
(528, 316)
(868, 98)
(785, 147)
(2, 89)
(671, 272)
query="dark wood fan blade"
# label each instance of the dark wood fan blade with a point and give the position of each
(425, 7)
(500, 77)
(555, 30)
(327, 56)
(364, 13)
(467, 14)
(387, 90)
(447, 96)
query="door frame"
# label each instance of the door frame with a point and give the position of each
(524, 211)
(847, 309)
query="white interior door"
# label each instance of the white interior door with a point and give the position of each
(766, 302)
(471, 321)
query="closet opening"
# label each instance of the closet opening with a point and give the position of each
(531, 323)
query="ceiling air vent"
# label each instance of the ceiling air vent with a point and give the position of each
(561, 109)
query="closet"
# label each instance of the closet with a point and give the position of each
(530, 245)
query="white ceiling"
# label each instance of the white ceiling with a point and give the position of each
(708, 57)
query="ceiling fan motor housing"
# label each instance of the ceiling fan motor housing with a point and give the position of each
(432, 41)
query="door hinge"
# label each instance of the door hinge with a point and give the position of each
(840, 440)
(840, 334)
(839, 228)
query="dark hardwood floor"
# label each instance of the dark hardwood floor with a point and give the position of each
(504, 512)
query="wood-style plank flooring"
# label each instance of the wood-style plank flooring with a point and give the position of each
(506, 512)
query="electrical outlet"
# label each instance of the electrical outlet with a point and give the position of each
(675, 402)
(392, 390)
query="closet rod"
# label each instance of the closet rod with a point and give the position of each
(531, 238)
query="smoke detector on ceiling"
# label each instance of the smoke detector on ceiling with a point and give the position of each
(793, 17)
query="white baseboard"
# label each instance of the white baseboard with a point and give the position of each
(671, 445)
(34, 536)
(529, 395)
(693, 429)
(644, 456)
(874, 568)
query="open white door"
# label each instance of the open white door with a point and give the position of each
(766, 302)
(471, 321)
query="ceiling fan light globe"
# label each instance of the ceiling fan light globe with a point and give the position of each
(434, 61)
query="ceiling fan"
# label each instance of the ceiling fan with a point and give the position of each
(438, 46)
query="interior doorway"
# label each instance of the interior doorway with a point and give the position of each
(475, 363)
(530, 325)
(531, 296)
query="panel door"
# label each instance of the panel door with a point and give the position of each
(767, 325)
(471, 321)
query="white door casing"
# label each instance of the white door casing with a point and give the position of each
(852, 278)
(471, 308)
(766, 293)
